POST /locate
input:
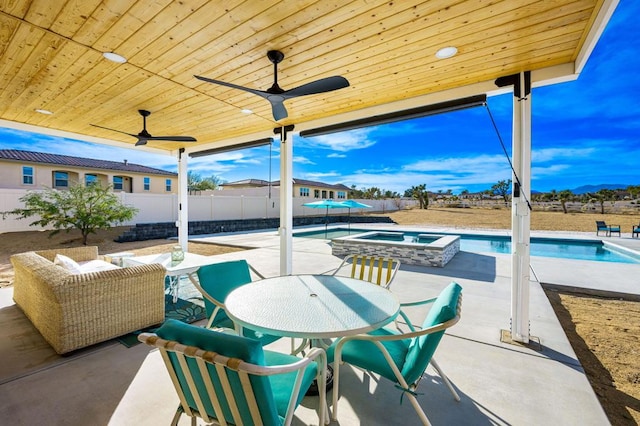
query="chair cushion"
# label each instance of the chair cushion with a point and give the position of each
(232, 346)
(422, 348)
(96, 266)
(225, 344)
(282, 384)
(220, 279)
(264, 339)
(366, 354)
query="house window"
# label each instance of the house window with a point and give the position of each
(342, 195)
(331, 194)
(90, 179)
(324, 194)
(316, 193)
(27, 175)
(60, 179)
(118, 183)
(147, 183)
(167, 184)
(304, 192)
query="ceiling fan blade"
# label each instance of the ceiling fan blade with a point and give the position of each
(142, 140)
(319, 86)
(114, 130)
(172, 138)
(234, 86)
(278, 109)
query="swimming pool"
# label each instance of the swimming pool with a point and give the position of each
(594, 250)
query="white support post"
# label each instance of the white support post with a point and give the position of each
(520, 213)
(286, 202)
(183, 198)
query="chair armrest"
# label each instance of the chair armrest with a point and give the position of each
(402, 336)
(255, 271)
(418, 303)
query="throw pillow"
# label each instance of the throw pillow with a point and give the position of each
(67, 263)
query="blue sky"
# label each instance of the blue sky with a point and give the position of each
(584, 132)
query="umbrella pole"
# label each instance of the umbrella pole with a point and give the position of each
(326, 222)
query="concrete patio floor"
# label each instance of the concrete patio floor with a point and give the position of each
(499, 383)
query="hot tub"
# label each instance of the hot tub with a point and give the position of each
(424, 249)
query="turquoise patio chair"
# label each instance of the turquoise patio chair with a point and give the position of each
(601, 226)
(230, 379)
(378, 270)
(215, 282)
(635, 231)
(401, 357)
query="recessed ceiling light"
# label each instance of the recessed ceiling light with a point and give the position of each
(43, 111)
(114, 57)
(446, 52)
(247, 111)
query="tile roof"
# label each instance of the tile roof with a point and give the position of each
(88, 163)
(314, 183)
(255, 182)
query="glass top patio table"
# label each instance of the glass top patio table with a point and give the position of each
(312, 306)
(191, 263)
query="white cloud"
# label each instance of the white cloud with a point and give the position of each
(341, 142)
(319, 176)
(555, 154)
(302, 160)
(336, 155)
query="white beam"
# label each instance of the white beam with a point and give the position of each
(600, 22)
(286, 203)
(183, 199)
(520, 214)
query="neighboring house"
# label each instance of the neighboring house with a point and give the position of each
(35, 170)
(301, 188)
(244, 184)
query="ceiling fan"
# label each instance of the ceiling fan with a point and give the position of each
(144, 136)
(276, 95)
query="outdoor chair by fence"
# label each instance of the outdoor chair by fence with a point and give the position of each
(635, 231)
(401, 357)
(230, 379)
(215, 282)
(601, 226)
(375, 269)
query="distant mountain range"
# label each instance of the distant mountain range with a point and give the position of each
(584, 189)
(595, 188)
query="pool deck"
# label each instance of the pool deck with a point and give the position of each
(499, 383)
(591, 277)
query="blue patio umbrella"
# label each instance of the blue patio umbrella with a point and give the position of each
(326, 204)
(352, 204)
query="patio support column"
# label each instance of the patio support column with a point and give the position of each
(286, 200)
(183, 199)
(520, 208)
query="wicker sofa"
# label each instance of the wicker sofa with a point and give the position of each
(72, 311)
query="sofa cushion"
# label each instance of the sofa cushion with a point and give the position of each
(96, 266)
(67, 263)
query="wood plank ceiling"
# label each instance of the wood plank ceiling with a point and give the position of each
(51, 57)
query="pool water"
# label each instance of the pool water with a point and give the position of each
(593, 250)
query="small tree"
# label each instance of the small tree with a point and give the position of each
(419, 193)
(502, 189)
(604, 195)
(564, 196)
(87, 208)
